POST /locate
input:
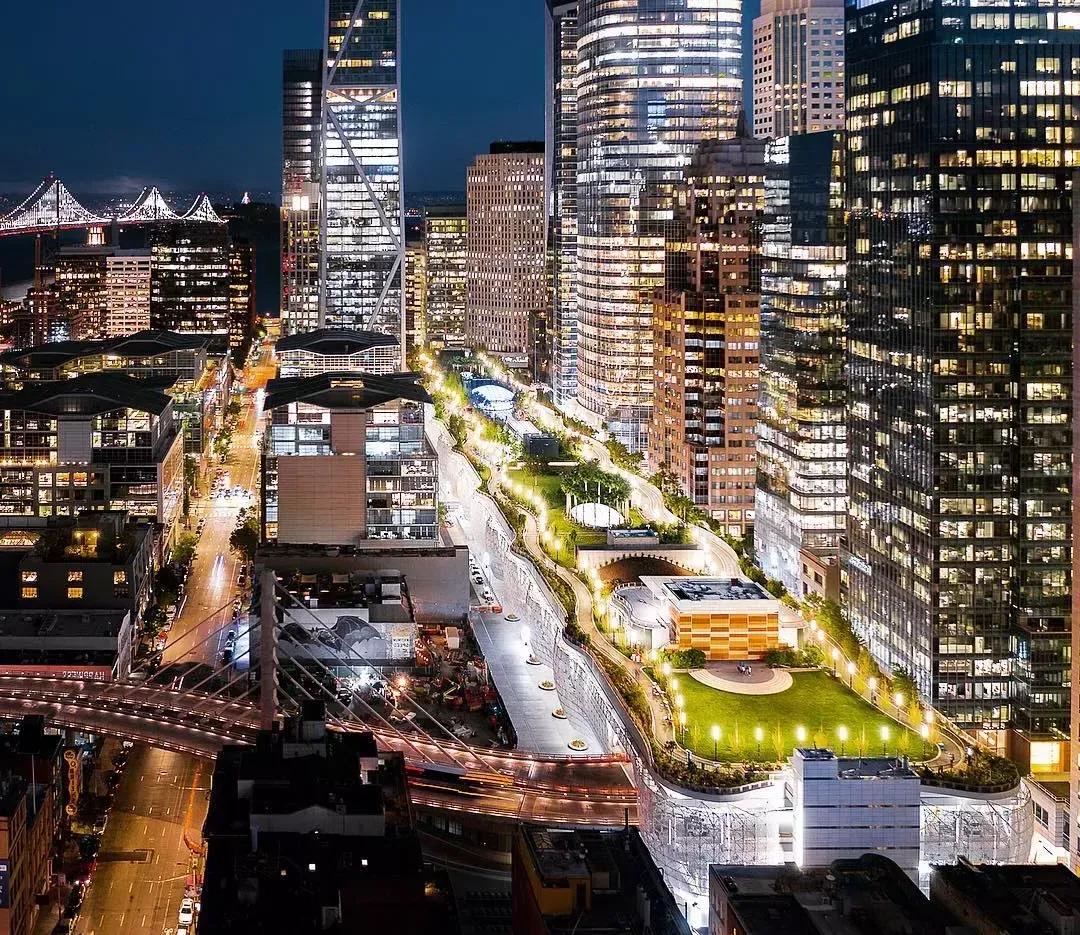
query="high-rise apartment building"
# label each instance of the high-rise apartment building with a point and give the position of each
(798, 62)
(363, 243)
(241, 294)
(345, 460)
(127, 292)
(654, 79)
(103, 291)
(415, 291)
(189, 278)
(962, 127)
(81, 274)
(302, 87)
(445, 262)
(506, 247)
(561, 173)
(705, 341)
(801, 501)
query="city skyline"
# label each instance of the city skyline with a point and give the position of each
(111, 149)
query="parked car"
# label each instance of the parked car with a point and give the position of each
(187, 911)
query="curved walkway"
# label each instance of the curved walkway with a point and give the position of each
(726, 677)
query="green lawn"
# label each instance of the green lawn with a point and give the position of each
(548, 486)
(816, 702)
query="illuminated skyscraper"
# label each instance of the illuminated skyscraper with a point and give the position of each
(445, 262)
(798, 67)
(301, 172)
(801, 504)
(506, 284)
(561, 173)
(962, 146)
(707, 321)
(654, 79)
(363, 243)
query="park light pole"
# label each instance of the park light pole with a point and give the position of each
(715, 738)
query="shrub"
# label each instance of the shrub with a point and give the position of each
(685, 658)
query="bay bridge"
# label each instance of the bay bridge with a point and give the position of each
(51, 208)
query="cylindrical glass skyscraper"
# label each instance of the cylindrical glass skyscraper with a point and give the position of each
(655, 78)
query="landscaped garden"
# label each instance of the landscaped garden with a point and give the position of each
(817, 710)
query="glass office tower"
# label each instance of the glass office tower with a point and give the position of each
(445, 264)
(560, 145)
(654, 79)
(964, 135)
(301, 171)
(801, 504)
(363, 243)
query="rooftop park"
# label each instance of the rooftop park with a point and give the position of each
(817, 710)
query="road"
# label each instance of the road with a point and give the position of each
(199, 633)
(145, 857)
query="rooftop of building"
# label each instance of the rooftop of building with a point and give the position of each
(141, 344)
(455, 211)
(31, 739)
(107, 536)
(870, 895)
(86, 395)
(334, 342)
(701, 590)
(507, 147)
(345, 390)
(1013, 897)
(622, 875)
(642, 604)
(59, 624)
(303, 766)
(866, 767)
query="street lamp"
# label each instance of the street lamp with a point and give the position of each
(841, 732)
(835, 659)
(884, 737)
(715, 738)
(674, 682)
(682, 722)
(680, 702)
(871, 683)
(928, 716)
(800, 735)
(898, 700)
(666, 669)
(924, 732)
(850, 673)
(758, 734)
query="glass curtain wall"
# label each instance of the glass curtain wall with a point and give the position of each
(654, 79)
(363, 245)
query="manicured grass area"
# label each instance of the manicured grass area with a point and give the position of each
(817, 702)
(548, 486)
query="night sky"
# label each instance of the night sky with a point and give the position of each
(117, 93)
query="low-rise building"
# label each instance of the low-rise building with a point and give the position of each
(336, 350)
(990, 899)
(588, 882)
(843, 807)
(726, 618)
(345, 460)
(101, 561)
(311, 831)
(67, 644)
(867, 895)
(26, 837)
